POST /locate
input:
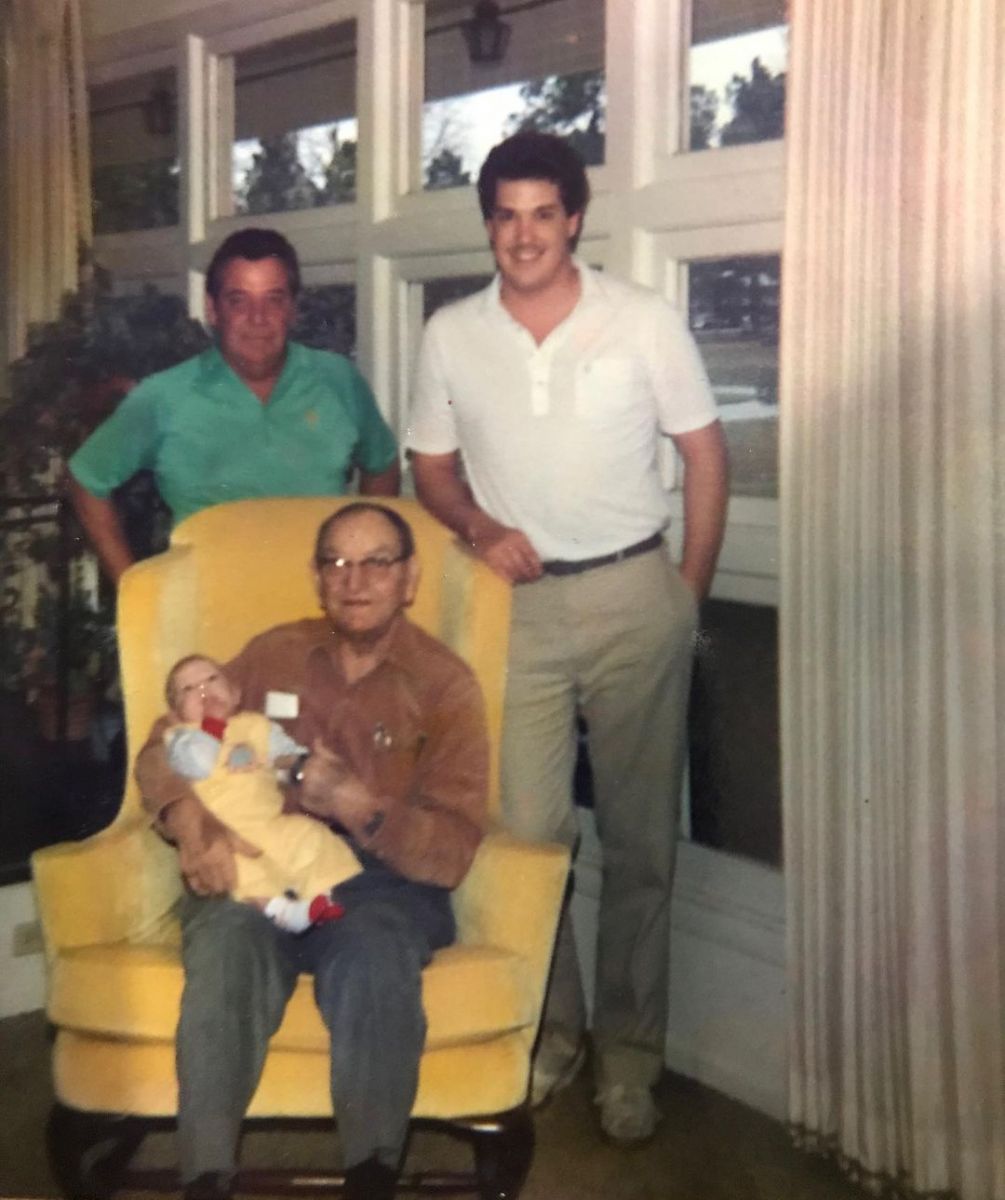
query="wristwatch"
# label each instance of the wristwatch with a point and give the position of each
(297, 770)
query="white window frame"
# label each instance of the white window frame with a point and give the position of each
(654, 208)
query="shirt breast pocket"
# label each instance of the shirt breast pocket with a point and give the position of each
(607, 389)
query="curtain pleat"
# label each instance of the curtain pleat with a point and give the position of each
(48, 160)
(893, 579)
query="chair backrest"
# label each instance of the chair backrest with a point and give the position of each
(235, 570)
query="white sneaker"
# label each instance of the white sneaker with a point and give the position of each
(555, 1066)
(628, 1116)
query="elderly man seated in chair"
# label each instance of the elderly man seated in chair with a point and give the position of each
(399, 765)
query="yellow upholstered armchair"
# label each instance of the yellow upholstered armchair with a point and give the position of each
(106, 904)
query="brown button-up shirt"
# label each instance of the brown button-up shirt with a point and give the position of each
(413, 729)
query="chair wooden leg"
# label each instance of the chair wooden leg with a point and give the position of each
(88, 1152)
(504, 1149)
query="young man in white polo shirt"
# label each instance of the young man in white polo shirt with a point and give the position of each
(554, 385)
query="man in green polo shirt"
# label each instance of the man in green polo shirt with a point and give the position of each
(254, 415)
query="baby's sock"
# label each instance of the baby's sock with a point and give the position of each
(324, 908)
(289, 913)
(295, 916)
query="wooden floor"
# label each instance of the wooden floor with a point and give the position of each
(707, 1148)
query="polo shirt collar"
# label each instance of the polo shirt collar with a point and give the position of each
(217, 372)
(217, 375)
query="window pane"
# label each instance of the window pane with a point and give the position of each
(295, 122)
(326, 318)
(735, 767)
(733, 313)
(737, 65)
(550, 77)
(437, 292)
(134, 153)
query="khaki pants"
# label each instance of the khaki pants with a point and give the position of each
(615, 643)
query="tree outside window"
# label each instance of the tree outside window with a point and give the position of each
(737, 88)
(295, 122)
(551, 79)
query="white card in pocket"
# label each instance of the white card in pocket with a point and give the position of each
(282, 706)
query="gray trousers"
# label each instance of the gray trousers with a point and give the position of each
(616, 644)
(240, 971)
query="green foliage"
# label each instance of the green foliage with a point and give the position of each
(704, 108)
(51, 627)
(139, 195)
(446, 170)
(76, 369)
(339, 185)
(758, 106)
(80, 640)
(72, 375)
(15, 640)
(572, 106)
(278, 180)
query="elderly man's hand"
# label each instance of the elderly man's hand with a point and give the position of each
(206, 847)
(330, 789)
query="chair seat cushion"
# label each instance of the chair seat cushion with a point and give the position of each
(470, 993)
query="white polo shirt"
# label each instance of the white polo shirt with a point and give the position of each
(560, 440)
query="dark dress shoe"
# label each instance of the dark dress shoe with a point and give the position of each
(371, 1180)
(210, 1185)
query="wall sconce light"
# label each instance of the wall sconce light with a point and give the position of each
(486, 35)
(159, 112)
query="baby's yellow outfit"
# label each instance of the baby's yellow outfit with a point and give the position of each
(298, 852)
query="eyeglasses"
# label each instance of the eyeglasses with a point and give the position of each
(187, 689)
(374, 567)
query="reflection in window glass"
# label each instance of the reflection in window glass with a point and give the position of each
(326, 318)
(733, 306)
(737, 65)
(733, 732)
(551, 77)
(295, 122)
(134, 153)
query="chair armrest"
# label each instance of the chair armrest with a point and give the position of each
(511, 897)
(119, 885)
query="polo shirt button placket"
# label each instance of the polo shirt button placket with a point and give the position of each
(540, 372)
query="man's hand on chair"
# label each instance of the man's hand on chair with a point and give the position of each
(206, 847)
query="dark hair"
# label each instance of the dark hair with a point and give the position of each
(534, 155)
(253, 244)
(406, 539)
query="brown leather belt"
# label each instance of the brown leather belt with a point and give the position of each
(559, 566)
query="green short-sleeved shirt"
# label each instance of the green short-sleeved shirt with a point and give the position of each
(208, 438)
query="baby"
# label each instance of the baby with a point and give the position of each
(232, 758)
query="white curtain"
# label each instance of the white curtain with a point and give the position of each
(893, 642)
(47, 170)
